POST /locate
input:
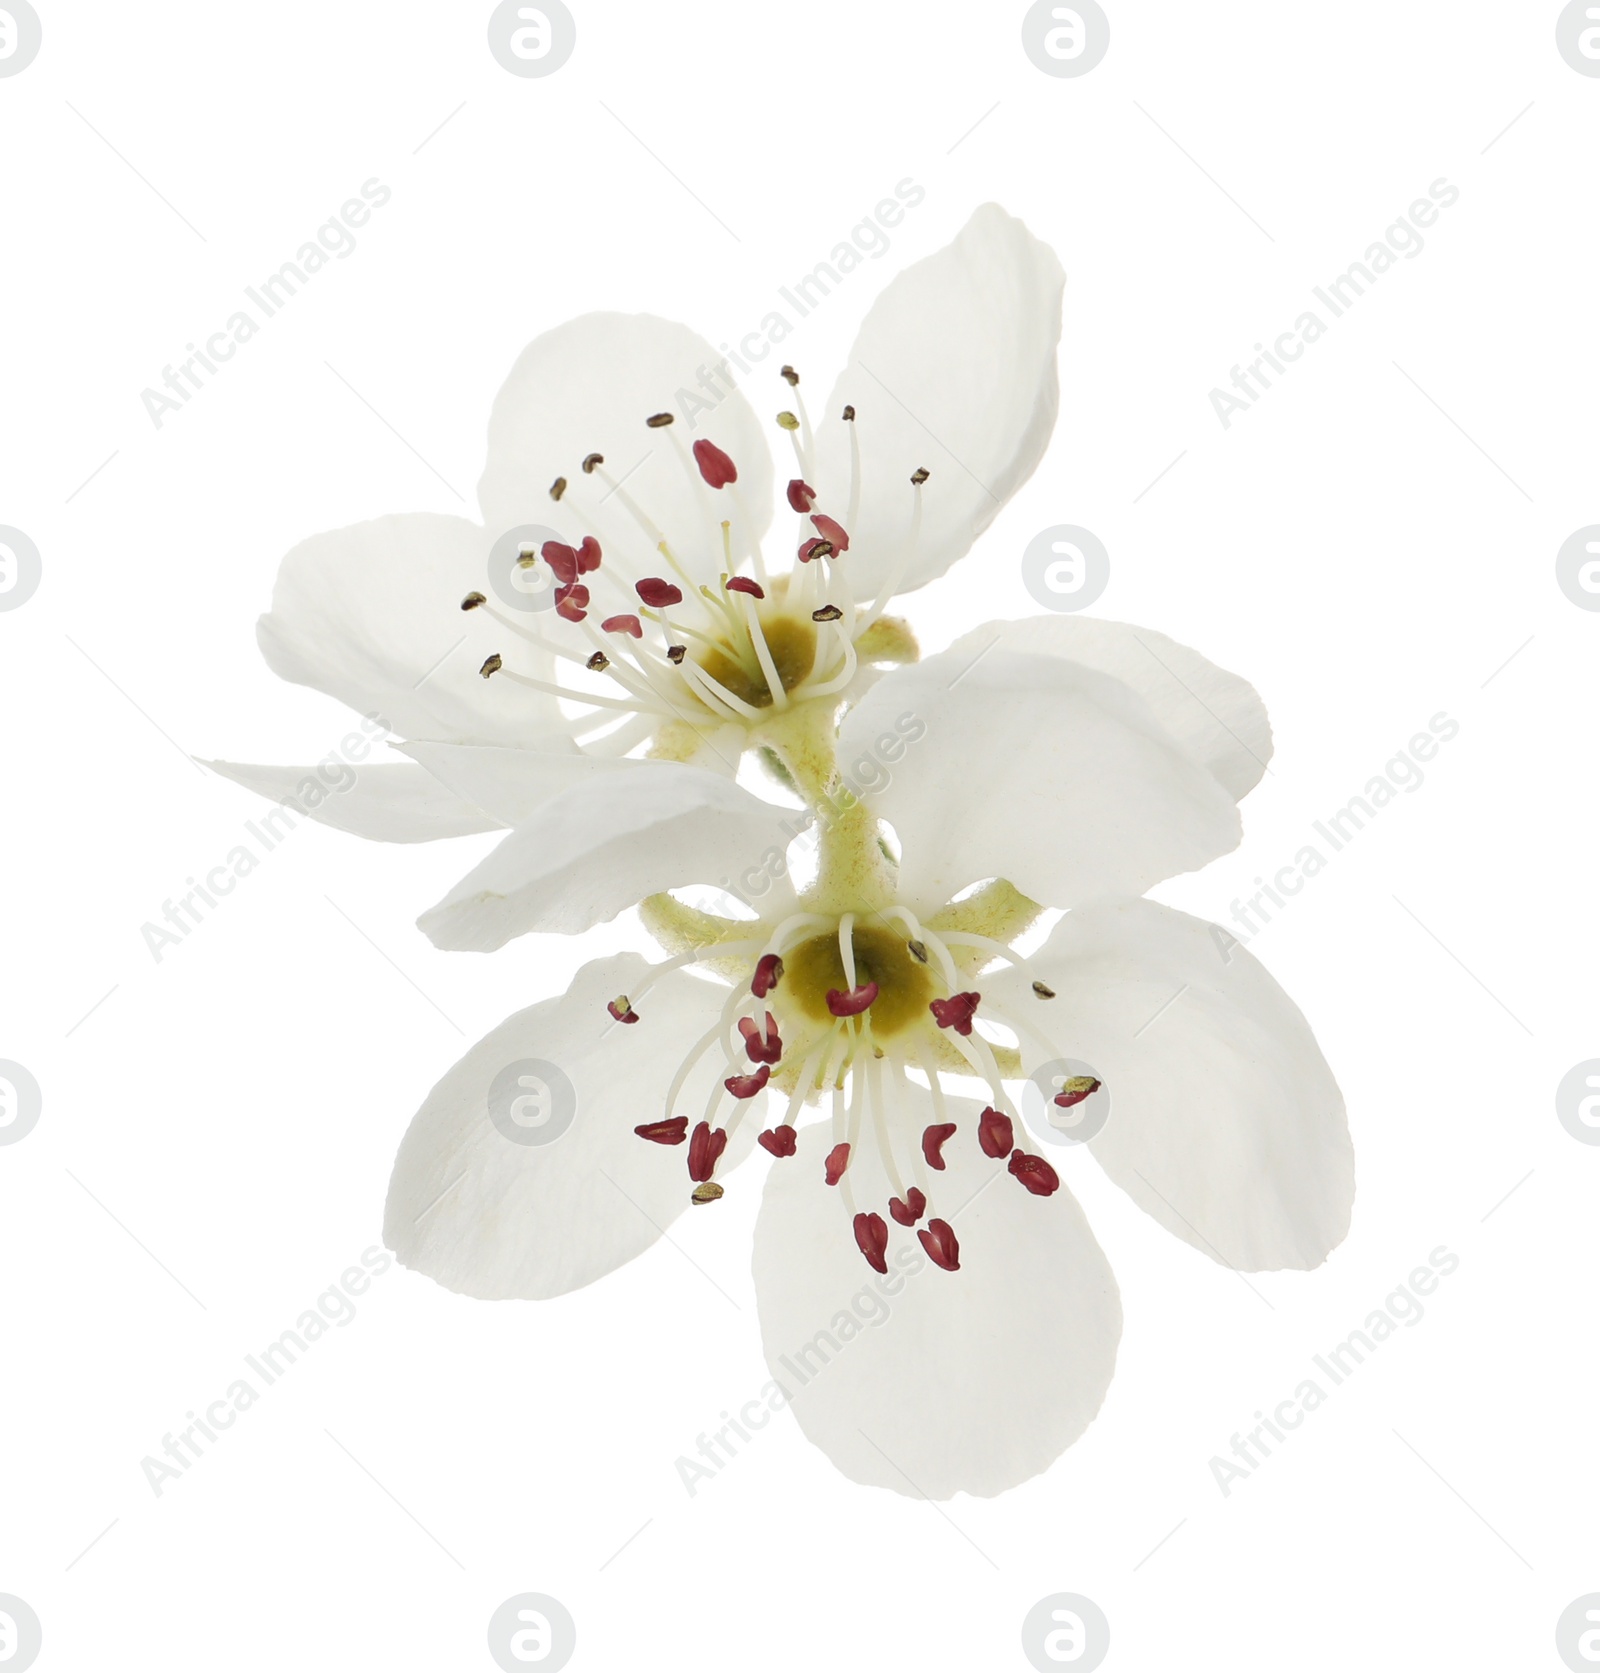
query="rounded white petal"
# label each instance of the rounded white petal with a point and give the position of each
(1045, 772)
(954, 371)
(395, 802)
(511, 784)
(1215, 717)
(588, 387)
(924, 1381)
(603, 845)
(371, 614)
(1226, 1123)
(490, 1217)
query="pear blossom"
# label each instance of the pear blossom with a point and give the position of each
(678, 629)
(843, 1029)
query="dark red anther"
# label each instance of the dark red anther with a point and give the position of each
(872, 1238)
(779, 1140)
(671, 1131)
(853, 1003)
(802, 496)
(1035, 1173)
(621, 1009)
(838, 1159)
(831, 531)
(747, 1086)
(909, 1210)
(563, 560)
(572, 602)
(658, 593)
(715, 465)
(994, 1134)
(761, 1046)
(815, 547)
(743, 584)
(955, 1012)
(705, 1146)
(769, 971)
(1075, 1090)
(933, 1139)
(588, 555)
(623, 624)
(940, 1242)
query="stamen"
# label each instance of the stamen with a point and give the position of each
(779, 1140)
(623, 624)
(933, 1141)
(622, 1010)
(658, 594)
(917, 950)
(710, 1191)
(955, 1012)
(747, 1086)
(994, 1134)
(853, 1003)
(940, 1242)
(828, 613)
(1034, 1174)
(761, 1046)
(715, 465)
(659, 420)
(599, 662)
(671, 1131)
(831, 531)
(872, 1238)
(1043, 991)
(590, 461)
(838, 1159)
(802, 496)
(493, 665)
(706, 1146)
(769, 972)
(472, 601)
(1074, 1089)
(743, 584)
(909, 1209)
(558, 488)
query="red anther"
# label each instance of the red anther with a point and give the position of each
(672, 1131)
(802, 496)
(572, 602)
(933, 1142)
(853, 1003)
(994, 1134)
(623, 624)
(872, 1238)
(588, 555)
(779, 1140)
(1035, 1173)
(955, 1012)
(658, 593)
(715, 465)
(622, 1010)
(761, 1046)
(563, 560)
(940, 1242)
(747, 1086)
(705, 1146)
(909, 1210)
(815, 547)
(831, 531)
(769, 971)
(838, 1159)
(743, 584)
(1070, 1095)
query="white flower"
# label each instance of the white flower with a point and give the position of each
(1067, 762)
(673, 634)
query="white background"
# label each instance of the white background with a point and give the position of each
(1364, 560)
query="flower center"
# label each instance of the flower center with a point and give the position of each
(792, 649)
(815, 968)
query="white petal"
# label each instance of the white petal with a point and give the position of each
(511, 784)
(387, 803)
(1214, 716)
(1044, 772)
(603, 845)
(490, 1217)
(1226, 1123)
(954, 371)
(588, 387)
(935, 1382)
(371, 614)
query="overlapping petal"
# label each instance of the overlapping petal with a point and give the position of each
(386, 802)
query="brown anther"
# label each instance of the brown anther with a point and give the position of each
(527, 557)
(491, 665)
(599, 662)
(788, 421)
(676, 653)
(659, 420)
(849, 415)
(709, 1192)
(919, 476)
(790, 376)
(472, 601)
(828, 613)
(917, 951)
(591, 461)
(1044, 992)
(558, 487)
